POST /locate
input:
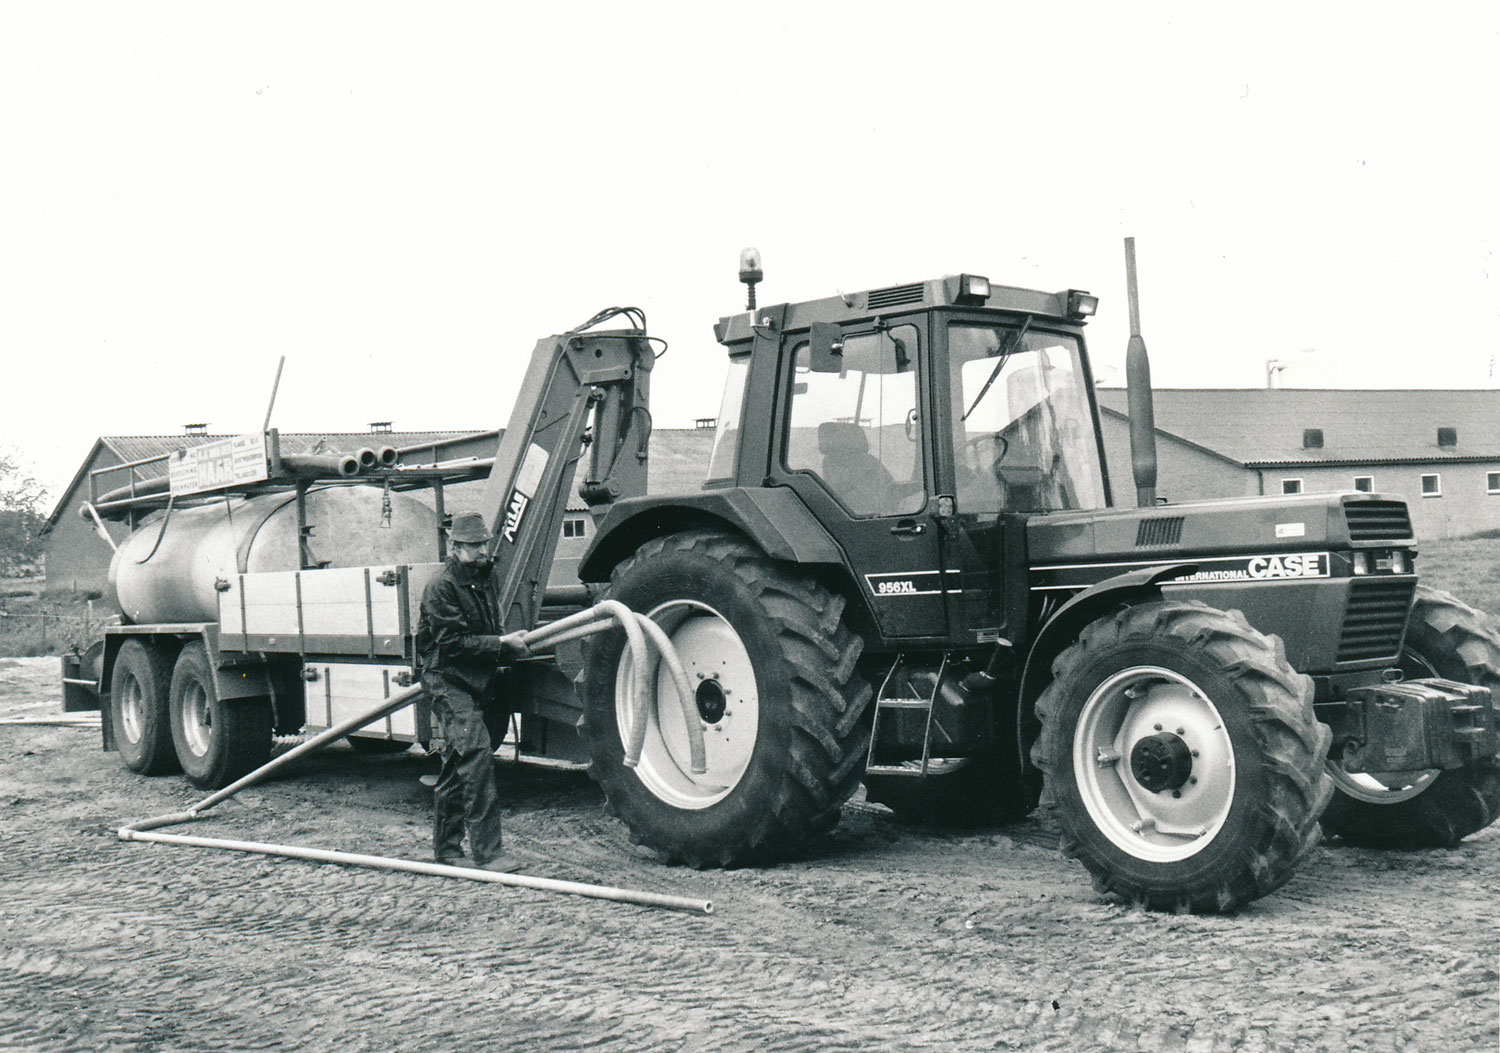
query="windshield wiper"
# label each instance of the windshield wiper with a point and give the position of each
(1004, 356)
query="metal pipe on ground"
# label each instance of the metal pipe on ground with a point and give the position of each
(595, 619)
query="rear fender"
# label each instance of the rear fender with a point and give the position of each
(773, 519)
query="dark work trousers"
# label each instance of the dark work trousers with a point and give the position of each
(466, 797)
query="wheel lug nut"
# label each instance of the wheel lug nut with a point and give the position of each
(1156, 727)
(1181, 732)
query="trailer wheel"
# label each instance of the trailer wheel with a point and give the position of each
(138, 708)
(1427, 809)
(1181, 756)
(216, 741)
(778, 693)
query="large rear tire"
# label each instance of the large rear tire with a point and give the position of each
(1182, 758)
(139, 720)
(1427, 809)
(217, 741)
(778, 693)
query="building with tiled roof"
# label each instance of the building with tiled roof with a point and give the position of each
(1439, 449)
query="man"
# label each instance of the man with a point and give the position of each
(461, 650)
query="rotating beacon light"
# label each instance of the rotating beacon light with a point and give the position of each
(750, 273)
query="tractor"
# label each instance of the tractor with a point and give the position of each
(907, 568)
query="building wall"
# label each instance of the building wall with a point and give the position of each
(77, 557)
(1463, 506)
(1183, 473)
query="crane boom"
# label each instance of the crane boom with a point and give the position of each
(580, 388)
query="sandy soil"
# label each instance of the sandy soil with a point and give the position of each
(887, 937)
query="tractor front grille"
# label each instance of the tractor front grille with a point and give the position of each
(1377, 520)
(1375, 619)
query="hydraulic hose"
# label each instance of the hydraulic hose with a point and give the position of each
(638, 629)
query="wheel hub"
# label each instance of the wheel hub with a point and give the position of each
(711, 701)
(1161, 762)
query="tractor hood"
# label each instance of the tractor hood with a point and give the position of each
(1253, 536)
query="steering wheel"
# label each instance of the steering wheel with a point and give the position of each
(1002, 445)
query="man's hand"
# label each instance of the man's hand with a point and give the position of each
(513, 646)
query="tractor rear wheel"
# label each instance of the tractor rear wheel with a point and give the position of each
(1427, 809)
(1181, 756)
(778, 693)
(217, 741)
(138, 708)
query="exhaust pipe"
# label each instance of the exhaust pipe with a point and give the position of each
(1138, 394)
(368, 458)
(388, 456)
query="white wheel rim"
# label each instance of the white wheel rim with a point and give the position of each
(719, 667)
(133, 708)
(1156, 825)
(1381, 787)
(197, 720)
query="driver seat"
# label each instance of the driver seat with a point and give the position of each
(856, 476)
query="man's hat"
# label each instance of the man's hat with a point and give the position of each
(469, 528)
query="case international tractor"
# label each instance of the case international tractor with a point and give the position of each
(905, 568)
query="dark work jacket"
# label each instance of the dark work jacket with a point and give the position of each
(458, 629)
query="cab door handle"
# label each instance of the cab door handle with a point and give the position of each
(908, 528)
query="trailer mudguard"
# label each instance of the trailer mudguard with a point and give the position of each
(774, 518)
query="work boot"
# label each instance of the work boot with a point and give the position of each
(451, 859)
(501, 864)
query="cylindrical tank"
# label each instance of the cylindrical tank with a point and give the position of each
(168, 575)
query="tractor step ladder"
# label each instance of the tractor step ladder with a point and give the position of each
(885, 701)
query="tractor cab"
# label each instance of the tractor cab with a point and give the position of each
(919, 424)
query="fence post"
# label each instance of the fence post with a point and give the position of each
(44, 632)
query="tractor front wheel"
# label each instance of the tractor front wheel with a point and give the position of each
(777, 693)
(1426, 809)
(1181, 757)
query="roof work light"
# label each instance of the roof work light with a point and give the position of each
(1081, 305)
(972, 288)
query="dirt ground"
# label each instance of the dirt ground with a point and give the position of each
(888, 937)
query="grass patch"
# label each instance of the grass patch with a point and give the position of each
(34, 622)
(1467, 567)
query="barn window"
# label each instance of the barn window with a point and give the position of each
(1447, 436)
(1312, 438)
(1432, 485)
(1291, 486)
(573, 528)
(1364, 483)
(1492, 482)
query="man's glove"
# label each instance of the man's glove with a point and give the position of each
(513, 646)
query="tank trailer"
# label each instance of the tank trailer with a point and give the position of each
(905, 567)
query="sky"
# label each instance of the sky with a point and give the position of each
(402, 198)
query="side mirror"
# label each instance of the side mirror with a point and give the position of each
(825, 351)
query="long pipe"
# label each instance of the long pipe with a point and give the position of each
(596, 619)
(410, 866)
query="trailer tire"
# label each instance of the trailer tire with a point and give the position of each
(1217, 807)
(781, 698)
(1448, 638)
(217, 741)
(138, 709)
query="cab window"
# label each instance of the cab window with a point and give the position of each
(853, 422)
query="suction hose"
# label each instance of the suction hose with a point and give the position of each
(600, 618)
